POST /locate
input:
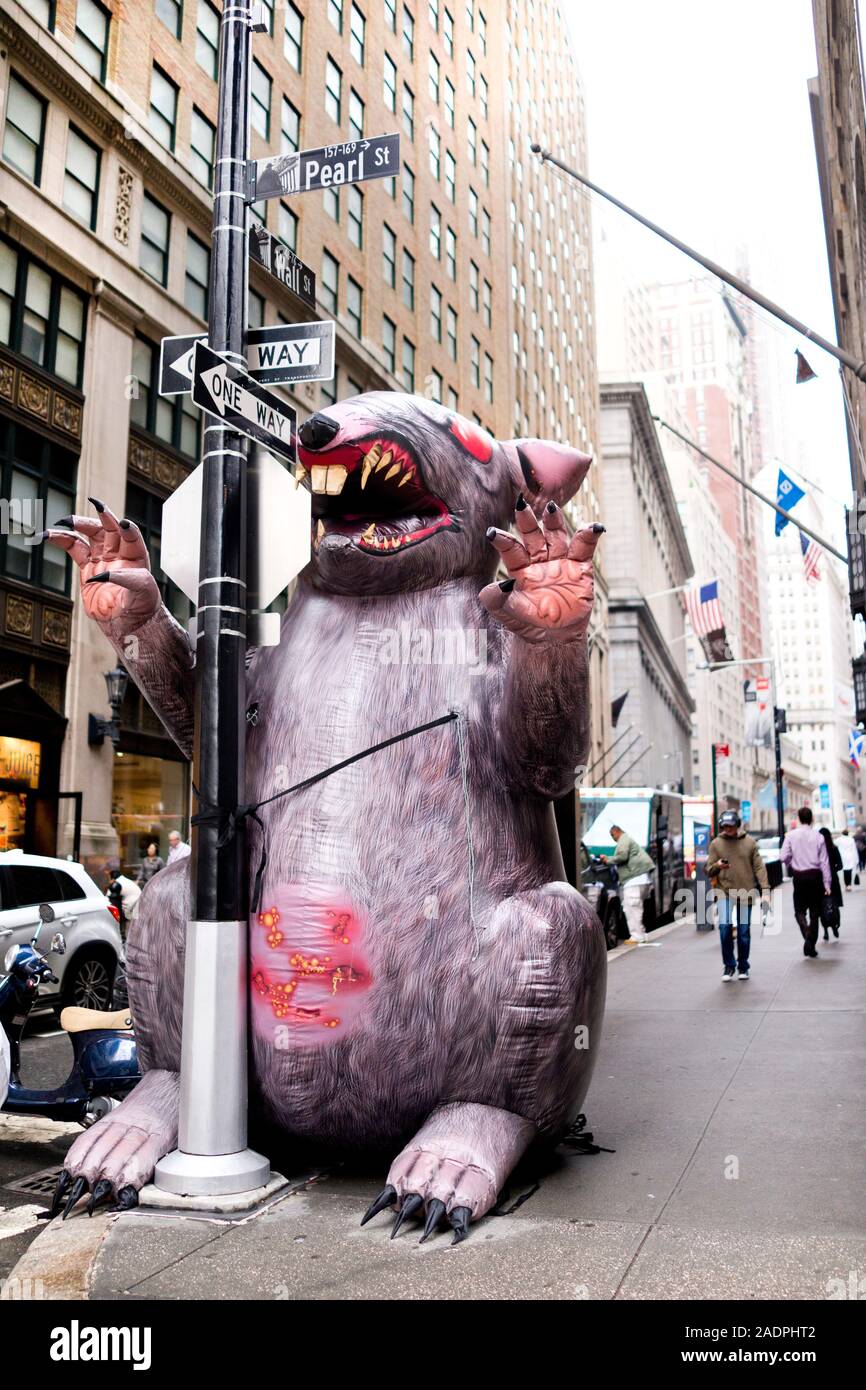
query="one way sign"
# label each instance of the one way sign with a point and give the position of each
(224, 390)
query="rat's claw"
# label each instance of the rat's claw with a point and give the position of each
(101, 1191)
(78, 1190)
(411, 1202)
(435, 1212)
(60, 1191)
(386, 1198)
(127, 1197)
(459, 1219)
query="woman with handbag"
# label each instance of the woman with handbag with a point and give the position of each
(831, 907)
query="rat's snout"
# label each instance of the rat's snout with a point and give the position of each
(318, 431)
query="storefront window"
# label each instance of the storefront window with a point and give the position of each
(150, 798)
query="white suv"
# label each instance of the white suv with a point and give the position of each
(93, 944)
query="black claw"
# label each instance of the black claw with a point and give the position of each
(411, 1202)
(127, 1197)
(386, 1198)
(78, 1191)
(100, 506)
(98, 578)
(490, 532)
(124, 524)
(459, 1219)
(435, 1212)
(506, 585)
(551, 507)
(520, 504)
(598, 528)
(100, 1192)
(67, 522)
(63, 1183)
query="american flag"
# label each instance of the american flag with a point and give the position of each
(703, 608)
(811, 558)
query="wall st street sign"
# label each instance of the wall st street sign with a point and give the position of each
(355, 161)
(282, 263)
(283, 354)
(222, 389)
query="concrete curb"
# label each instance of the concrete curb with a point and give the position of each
(59, 1263)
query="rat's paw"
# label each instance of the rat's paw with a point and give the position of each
(117, 588)
(118, 1154)
(436, 1190)
(548, 595)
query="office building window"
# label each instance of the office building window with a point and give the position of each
(330, 281)
(475, 362)
(470, 72)
(259, 211)
(472, 140)
(391, 15)
(92, 24)
(452, 398)
(488, 377)
(331, 202)
(451, 253)
(202, 142)
(389, 343)
(482, 33)
(288, 225)
(389, 256)
(290, 128)
(408, 365)
(356, 116)
(448, 33)
(328, 390)
(389, 90)
(451, 334)
(433, 15)
(485, 163)
(436, 386)
(335, 14)
(163, 107)
(43, 11)
(473, 212)
(333, 91)
(433, 77)
(449, 102)
(207, 38)
(255, 310)
(408, 279)
(450, 176)
(435, 146)
(357, 35)
(81, 179)
(408, 193)
(39, 478)
(171, 14)
(195, 295)
(173, 419)
(474, 283)
(41, 317)
(260, 101)
(470, 15)
(355, 215)
(487, 302)
(268, 7)
(294, 37)
(435, 232)
(435, 314)
(25, 129)
(408, 34)
(153, 254)
(485, 232)
(483, 96)
(355, 306)
(408, 112)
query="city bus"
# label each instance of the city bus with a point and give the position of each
(655, 820)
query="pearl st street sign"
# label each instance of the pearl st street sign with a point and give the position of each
(355, 161)
(282, 354)
(281, 261)
(222, 389)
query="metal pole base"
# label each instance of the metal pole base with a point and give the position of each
(211, 1175)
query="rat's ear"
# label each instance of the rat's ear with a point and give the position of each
(546, 471)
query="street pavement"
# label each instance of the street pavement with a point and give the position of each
(735, 1115)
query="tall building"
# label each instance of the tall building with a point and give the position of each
(108, 133)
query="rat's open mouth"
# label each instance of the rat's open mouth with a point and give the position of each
(371, 491)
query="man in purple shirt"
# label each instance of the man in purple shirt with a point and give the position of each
(805, 853)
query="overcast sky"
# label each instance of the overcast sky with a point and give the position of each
(698, 116)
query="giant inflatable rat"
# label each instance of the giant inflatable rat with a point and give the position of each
(421, 973)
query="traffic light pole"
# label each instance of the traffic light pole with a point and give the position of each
(212, 1157)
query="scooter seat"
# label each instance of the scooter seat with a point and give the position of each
(75, 1020)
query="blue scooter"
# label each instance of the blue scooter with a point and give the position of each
(104, 1063)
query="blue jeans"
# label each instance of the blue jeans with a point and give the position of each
(731, 911)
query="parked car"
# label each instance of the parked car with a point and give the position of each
(93, 946)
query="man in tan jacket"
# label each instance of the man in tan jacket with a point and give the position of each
(735, 866)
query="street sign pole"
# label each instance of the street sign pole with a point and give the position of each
(212, 1157)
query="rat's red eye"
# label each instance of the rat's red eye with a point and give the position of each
(474, 439)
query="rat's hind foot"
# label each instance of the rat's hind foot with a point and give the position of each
(454, 1167)
(119, 1153)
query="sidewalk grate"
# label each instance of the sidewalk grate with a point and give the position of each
(38, 1186)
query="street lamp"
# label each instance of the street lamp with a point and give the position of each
(116, 682)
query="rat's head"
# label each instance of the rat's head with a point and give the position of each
(405, 489)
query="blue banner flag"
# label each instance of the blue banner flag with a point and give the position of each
(787, 496)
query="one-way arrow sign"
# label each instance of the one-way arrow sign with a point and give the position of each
(355, 161)
(224, 390)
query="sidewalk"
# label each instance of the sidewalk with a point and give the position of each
(737, 1118)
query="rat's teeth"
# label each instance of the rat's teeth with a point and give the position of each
(320, 531)
(336, 479)
(384, 461)
(392, 471)
(405, 478)
(319, 477)
(300, 473)
(370, 532)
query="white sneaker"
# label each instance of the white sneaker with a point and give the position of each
(727, 977)
(743, 975)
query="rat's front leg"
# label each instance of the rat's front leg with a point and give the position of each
(546, 602)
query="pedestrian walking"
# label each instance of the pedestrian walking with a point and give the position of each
(735, 867)
(805, 854)
(850, 859)
(830, 914)
(124, 893)
(635, 869)
(860, 842)
(150, 865)
(177, 848)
